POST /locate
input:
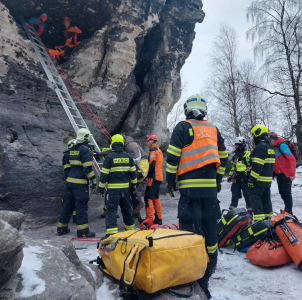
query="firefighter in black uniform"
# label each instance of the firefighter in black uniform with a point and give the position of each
(119, 172)
(238, 174)
(66, 166)
(198, 157)
(77, 188)
(260, 179)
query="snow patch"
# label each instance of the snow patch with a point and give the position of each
(32, 283)
(104, 293)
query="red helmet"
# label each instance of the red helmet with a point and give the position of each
(66, 19)
(152, 137)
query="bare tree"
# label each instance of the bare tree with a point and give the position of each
(224, 83)
(277, 33)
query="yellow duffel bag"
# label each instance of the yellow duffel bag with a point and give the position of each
(143, 169)
(152, 260)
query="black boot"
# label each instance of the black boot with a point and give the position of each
(84, 234)
(103, 215)
(157, 220)
(62, 231)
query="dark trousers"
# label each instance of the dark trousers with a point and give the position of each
(285, 190)
(79, 198)
(236, 188)
(136, 197)
(199, 215)
(113, 201)
(261, 201)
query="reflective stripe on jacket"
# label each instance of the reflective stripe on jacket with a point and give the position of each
(203, 150)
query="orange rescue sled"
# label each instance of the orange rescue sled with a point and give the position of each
(289, 231)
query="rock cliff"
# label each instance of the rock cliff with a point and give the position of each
(127, 67)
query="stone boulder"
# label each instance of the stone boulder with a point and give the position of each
(13, 218)
(52, 270)
(11, 254)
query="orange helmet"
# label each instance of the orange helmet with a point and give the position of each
(66, 19)
(152, 137)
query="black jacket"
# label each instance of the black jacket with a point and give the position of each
(80, 160)
(263, 160)
(181, 138)
(118, 171)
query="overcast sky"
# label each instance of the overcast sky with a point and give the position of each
(217, 11)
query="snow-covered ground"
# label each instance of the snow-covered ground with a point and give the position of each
(236, 277)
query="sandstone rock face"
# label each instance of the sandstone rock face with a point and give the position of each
(11, 254)
(51, 270)
(127, 67)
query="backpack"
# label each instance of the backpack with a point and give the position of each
(292, 149)
(250, 235)
(268, 252)
(153, 260)
(231, 223)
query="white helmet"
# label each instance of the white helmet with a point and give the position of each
(239, 140)
(196, 104)
(83, 134)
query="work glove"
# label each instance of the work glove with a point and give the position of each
(132, 188)
(250, 185)
(102, 192)
(93, 184)
(170, 189)
(218, 187)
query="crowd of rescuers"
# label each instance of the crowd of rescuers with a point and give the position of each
(70, 34)
(197, 156)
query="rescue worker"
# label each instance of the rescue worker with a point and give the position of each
(38, 23)
(119, 173)
(66, 166)
(284, 169)
(138, 154)
(139, 157)
(260, 178)
(238, 174)
(71, 40)
(197, 155)
(155, 178)
(77, 186)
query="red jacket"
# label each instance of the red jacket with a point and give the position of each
(285, 161)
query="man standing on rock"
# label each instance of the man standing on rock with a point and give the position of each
(119, 173)
(198, 157)
(77, 184)
(155, 178)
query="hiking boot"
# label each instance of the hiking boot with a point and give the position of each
(62, 231)
(103, 215)
(81, 234)
(136, 212)
(157, 220)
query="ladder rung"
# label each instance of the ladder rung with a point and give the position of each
(70, 107)
(77, 117)
(81, 125)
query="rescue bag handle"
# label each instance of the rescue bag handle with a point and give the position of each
(183, 295)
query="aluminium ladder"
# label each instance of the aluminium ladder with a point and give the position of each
(60, 88)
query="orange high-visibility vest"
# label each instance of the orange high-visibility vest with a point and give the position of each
(203, 150)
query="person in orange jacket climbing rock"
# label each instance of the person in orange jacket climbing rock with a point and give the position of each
(155, 178)
(71, 40)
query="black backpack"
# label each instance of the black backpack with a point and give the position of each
(292, 149)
